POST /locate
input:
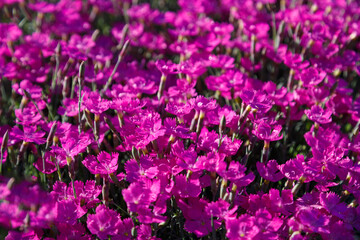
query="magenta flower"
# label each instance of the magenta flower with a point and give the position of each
(166, 68)
(311, 77)
(68, 212)
(126, 104)
(74, 143)
(30, 235)
(241, 228)
(72, 232)
(27, 116)
(178, 108)
(186, 188)
(104, 163)
(256, 100)
(220, 209)
(104, 223)
(135, 170)
(293, 169)
(265, 132)
(197, 220)
(33, 89)
(236, 174)
(269, 172)
(86, 193)
(137, 196)
(141, 85)
(49, 168)
(151, 126)
(42, 7)
(318, 115)
(9, 32)
(295, 61)
(70, 107)
(193, 67)
(203, 104)
(172, 128)
(28, 135)
(314, 219)
(124, 230)
(212, 162)
(279, 204)
(95, 104)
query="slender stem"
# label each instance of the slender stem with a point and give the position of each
(120, 57)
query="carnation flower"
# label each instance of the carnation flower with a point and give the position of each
(104, 163)
(104, 223)
(265, 132)
(318, 115)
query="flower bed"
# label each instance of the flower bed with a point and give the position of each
(197, 119)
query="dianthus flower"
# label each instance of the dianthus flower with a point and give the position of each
(318, 115)
(104, 223)
(104, 163)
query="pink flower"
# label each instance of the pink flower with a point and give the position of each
(318, 114)
(293, 169)
(265, 132)
(314, 219)
(104, 223)
(135, 170)
(137, 195)
(68, 212)
(71, 107)
(74, 143)
(9, 32)
(105, 163)
(166, 68)
(95, 104)
(256, 100)
(241, 228)
(201, 103)
(28, 135)
(27, 116)
(279, 204)
(197, 220)
(236, 174)
(311, 77)
(86, 193)
(186, 188)
(126, 104)
(269, 172)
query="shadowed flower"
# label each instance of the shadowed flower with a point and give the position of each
(269, 172)
(197, 221)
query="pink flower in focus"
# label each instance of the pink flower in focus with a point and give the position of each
(104, 223)
(318, 114)
(105, 163)
(264, 132)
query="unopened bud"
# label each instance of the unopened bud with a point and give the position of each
(49, 139)
(81, 72)
(135, 154)
(4, 141)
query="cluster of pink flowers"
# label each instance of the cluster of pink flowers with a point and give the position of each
(180, 119)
